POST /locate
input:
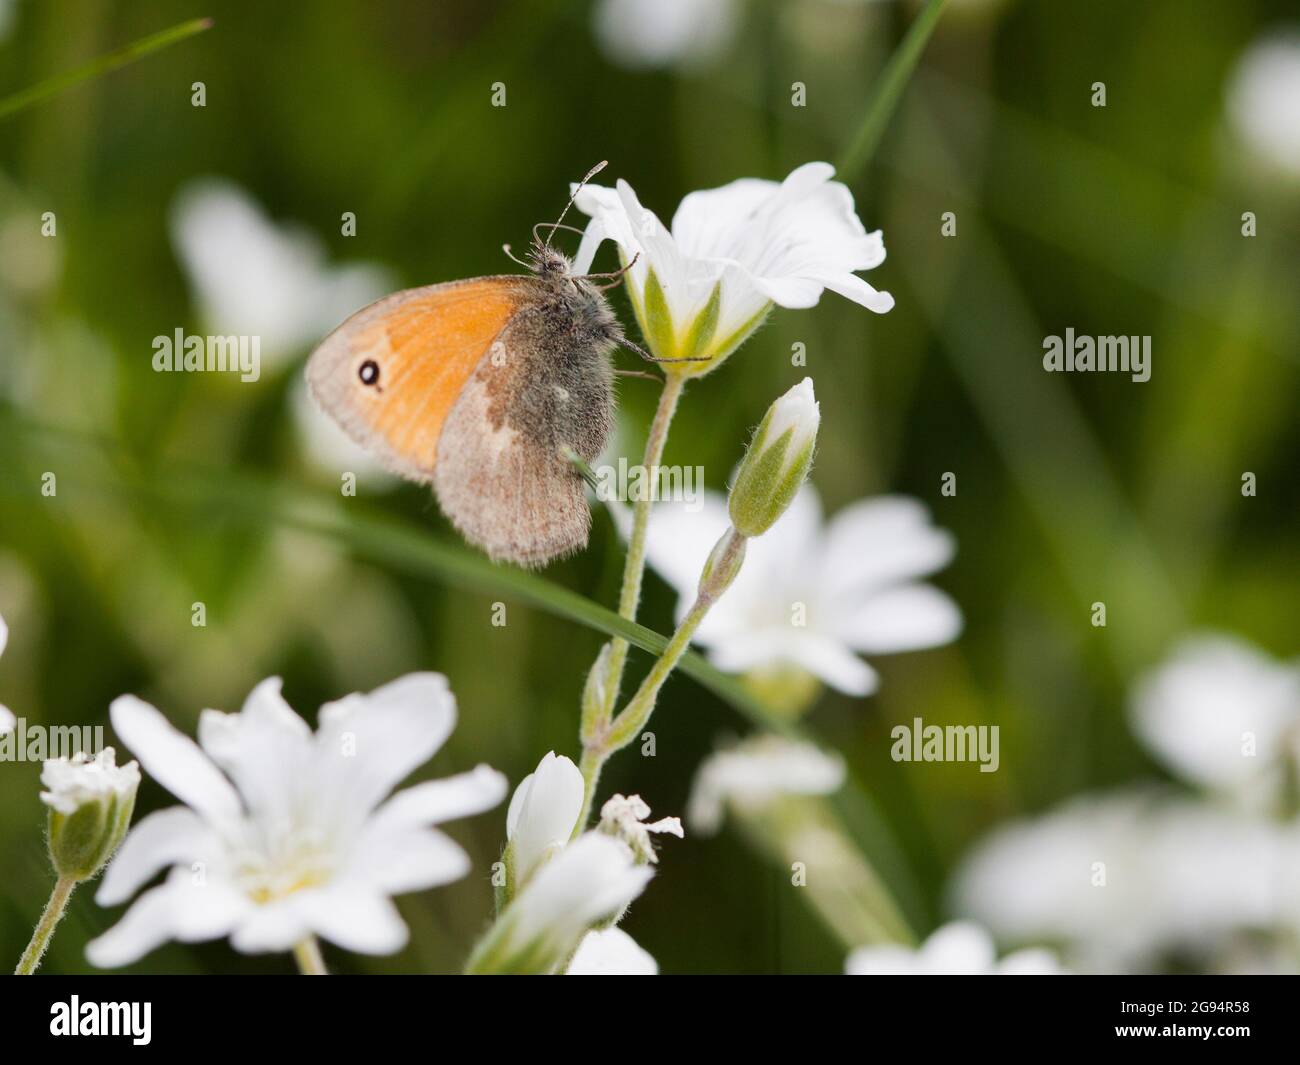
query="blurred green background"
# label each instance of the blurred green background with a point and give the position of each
(1072, 488)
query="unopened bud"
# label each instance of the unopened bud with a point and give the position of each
(777, 462)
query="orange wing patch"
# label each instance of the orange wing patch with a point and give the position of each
(425, 342)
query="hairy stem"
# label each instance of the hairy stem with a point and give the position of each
(625, 728)
(44, 930)
(630, 593)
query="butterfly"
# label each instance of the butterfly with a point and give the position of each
(481, 388)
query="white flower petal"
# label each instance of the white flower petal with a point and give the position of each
(204, 906)
(960, 947)
(4, 635)
(709, 222)
(852, 287)
(266, 749)
(355, 919)
(1261, 100)
(1196, 710)
(881, 541)
(641, 34)
(409, 860)
(162, 839)
(611, 952)
(7, 719)
(273, 927)
(906, 618)
(369, 743)
(544, 811)
(174, 760)
(757, 772)
(823, 656)
(436, 801)
(181, 908)
(592, 878)
(144, 927)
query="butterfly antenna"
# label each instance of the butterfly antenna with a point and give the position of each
(581, 184)
(506, 248)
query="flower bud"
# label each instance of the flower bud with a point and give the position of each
(542, 816)
(777, 462)
(90, 803)
(595, 695)
(722, 565)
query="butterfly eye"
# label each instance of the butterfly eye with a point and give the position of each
(369, 372)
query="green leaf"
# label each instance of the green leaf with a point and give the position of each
(11, 105)
(888, 91)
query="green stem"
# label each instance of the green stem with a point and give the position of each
(888, 90)
(630, 594)
(628, 725)
(44, 931)
(103, 65)
(308, 956)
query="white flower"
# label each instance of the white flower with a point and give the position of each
(79, 780)
(591, 880)
(701, 289)
(1122, 880)
(777, 461)
(812, 597)
(1263, 101)
(611, 952)
(660, 33)
(90, 801)
(1223, 715)
(959, 948)
(756, 773)
(7, 719)
(285, 833)
(542, 816)
(625, 819)
(253, 277)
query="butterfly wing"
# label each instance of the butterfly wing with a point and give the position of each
(424, 344)
(475, 387)
(502, 478)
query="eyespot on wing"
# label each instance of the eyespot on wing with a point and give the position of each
(390, 374)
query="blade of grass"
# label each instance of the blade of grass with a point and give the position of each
(43, 90)
(887, 92)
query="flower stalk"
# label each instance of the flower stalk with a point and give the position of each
(309, 958)
(623, 729)
(44, 931)
(599, 706)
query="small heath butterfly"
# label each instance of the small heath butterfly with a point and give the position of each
(476, 387)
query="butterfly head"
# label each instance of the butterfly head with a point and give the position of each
(549, 264)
